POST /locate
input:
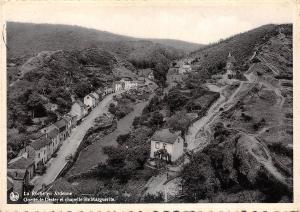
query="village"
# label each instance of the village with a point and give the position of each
(40, 163)
(27, 170)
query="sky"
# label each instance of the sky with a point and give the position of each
(194, 21)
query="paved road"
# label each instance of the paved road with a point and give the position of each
(70, 145)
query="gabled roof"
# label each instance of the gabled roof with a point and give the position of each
(40, 143)
(61, 123)
(21, 163)
(18, 174)
(53, 133)
(165, 135)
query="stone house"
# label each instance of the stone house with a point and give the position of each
(42, 148)
(118, 86)
(54, 136)
(63, 128)
(166, 145)
(97, 97)
(22, 162)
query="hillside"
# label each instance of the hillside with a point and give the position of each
(56, 77)
(246, 148)
(212, 58)
(27, 38)
(178, 44)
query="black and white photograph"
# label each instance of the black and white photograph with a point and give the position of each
(183, 103)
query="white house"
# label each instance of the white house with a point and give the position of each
(117, 86)
(90, 100)
(166, 145)
(185, 69)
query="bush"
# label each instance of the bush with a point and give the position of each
(123, 138)
(154, 198)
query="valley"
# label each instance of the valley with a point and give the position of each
(173, 121)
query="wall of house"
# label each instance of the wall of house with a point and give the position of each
(160, 145)
(40, 155)
(175, 150)
(89, 101)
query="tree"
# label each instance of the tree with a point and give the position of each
(179, 121)
(198, 179)
(35, 103)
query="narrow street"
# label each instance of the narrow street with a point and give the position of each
(70, 145)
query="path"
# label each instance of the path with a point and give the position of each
(70, 145)
(199, 132)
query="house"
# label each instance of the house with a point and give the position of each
(43, 150)
(100, 93)
(22, 162)
(90, 100)
(62, 126)
(129, 83)
(54, 136)
(166, 145)
(68, 121)
(108, 90)
(118, 86)
(73, 119)
(184, 69)
(78, 110)
(97, 97)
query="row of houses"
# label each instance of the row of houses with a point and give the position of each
(46, 142)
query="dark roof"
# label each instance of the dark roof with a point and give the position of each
(61, 123)
(53, 133)
(92, 95)
(40, 143)
(165, 135)
(17, 173)
(37, 135)
(21, 163)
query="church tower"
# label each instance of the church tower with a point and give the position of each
(230, 64)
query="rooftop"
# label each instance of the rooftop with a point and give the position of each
(53, 133)
(61, 123)
(40, 143)
(17, 173)
(165, 135)
(21, 163)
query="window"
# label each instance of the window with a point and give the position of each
(157, 145)
(39, 155)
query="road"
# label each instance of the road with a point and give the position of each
(199, 133)
(70, 145)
